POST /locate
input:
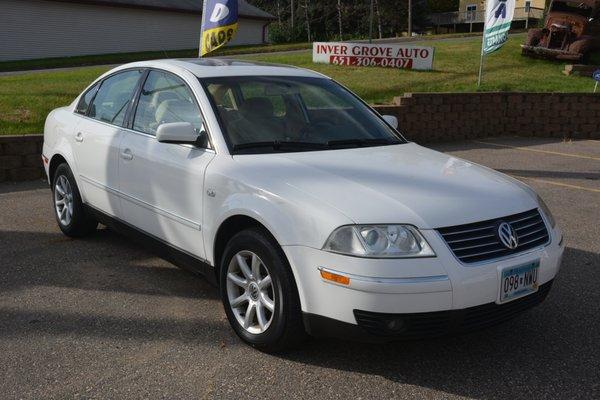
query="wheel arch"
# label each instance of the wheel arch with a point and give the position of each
(229, 228)
(62, 152)
(55, 161)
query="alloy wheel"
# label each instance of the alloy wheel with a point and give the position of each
(63, 200)
(250, 292)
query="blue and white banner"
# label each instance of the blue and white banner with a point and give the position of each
(498, 17)
(219, 24)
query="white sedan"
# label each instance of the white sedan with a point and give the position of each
(307, 208)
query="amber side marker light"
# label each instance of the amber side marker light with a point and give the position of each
(330, 276)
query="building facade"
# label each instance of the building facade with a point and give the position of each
(478, 5)
(34, 29)
(470, 16)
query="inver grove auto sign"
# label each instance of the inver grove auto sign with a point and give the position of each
(373, 55)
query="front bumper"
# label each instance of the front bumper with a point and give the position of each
(415, 287)
(380, 327)
(544, 52)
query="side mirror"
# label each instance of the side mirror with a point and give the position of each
(390, 119)
(181, 133)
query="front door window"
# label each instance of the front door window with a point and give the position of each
(165, 98)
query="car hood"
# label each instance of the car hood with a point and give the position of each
(403, 183)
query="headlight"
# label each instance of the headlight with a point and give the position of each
(546, 211)
(541, 203)
(389, 241)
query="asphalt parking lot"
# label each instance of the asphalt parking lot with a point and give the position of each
(104, 318)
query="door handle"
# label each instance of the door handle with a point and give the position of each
(79, 137)
(127, 155)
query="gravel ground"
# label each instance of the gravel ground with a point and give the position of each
(104, 318)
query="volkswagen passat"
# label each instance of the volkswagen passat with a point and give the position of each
(308, 209)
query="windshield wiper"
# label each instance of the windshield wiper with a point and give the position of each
(280, 145)
(360, 142)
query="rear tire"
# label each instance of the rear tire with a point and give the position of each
(259, 292)
(70, 215)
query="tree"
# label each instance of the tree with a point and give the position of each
(339, 10)
(378, 19)
(332, 19)
(436, 6)
(307, 19)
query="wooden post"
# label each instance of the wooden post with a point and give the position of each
(307, 4)
(292, 11)
(339, 7)
(371, 23)
(409, 18)
(378, 19)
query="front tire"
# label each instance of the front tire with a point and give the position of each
(534, 36)
(259, 292)
(70, 215)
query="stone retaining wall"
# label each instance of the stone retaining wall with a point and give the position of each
(423, 118)
(20, 158)
(439, 117)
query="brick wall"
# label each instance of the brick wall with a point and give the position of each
(20, 158)
(439, 117)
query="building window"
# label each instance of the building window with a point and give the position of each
(527, 6)
(471, 12)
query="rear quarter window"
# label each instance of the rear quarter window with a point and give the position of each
(86, 99)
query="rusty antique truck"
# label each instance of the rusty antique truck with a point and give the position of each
(571, 31)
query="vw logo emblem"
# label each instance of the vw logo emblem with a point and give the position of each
(508, 235)
(254, 291)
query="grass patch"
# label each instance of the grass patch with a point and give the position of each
(26, 99)
(122, 58)
(456, 66)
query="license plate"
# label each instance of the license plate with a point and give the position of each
(519, 281)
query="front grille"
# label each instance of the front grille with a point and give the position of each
(434, 324)
(557, 39)
(479, 241)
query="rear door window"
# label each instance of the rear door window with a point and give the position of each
(113, 97)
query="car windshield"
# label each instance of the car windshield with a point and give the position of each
(281, 114)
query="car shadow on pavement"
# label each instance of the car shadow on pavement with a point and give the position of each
(104, 286)
(550, 351)
(106, 261)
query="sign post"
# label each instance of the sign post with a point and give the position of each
(596, 76)
(498, 18)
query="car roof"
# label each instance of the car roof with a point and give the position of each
(221, 67)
